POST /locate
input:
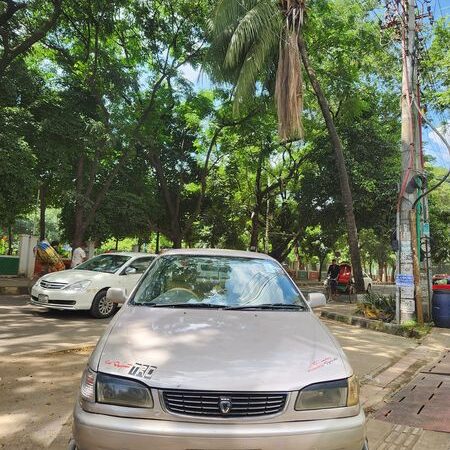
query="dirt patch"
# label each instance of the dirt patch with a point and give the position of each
(38, 393)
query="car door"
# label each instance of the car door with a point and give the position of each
(130, 275)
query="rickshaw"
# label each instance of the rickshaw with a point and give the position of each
(344, 281)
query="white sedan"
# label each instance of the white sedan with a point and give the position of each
(85, 286)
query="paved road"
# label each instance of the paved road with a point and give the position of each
(39, 375)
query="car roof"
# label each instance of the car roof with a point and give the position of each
(131, 254)
(217, 252)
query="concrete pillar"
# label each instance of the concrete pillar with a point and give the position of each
(27, 256)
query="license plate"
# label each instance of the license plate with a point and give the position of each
(42, 298)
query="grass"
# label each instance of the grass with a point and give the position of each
(412, 328)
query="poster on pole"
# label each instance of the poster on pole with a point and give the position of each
(404, 280)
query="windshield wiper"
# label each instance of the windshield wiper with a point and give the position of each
(270, 306)
(182, 305)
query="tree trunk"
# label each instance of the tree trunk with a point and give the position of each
(321, 261)
(42, 208)
(117, 244)
(380, 269)
(254, 235)
(346, 192)
(177, 240)
(78, 232)
(157, 243)
(10, 240)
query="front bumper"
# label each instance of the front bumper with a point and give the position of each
(102, 432)
(60, 299)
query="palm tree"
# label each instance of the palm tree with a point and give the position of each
(257, 41)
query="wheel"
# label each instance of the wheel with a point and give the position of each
(72, 445)
(101, 307)
(366, 446)
(369, 288)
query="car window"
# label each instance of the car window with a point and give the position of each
(104, 263)
(141, 264)
(225, 281)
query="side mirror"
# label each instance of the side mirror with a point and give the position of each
(130, 270)
(316, 299)
(116, 295)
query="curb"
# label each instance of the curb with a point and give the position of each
(375, 325)
(14, 290)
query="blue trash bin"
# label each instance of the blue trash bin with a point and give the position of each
(441, 308)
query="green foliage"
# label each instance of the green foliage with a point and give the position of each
(436, 66)
(101, 115)
(377, 306)
(439, 205)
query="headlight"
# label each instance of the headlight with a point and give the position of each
(88, 385)
(332, 394)
(79, 286)
(123, 392)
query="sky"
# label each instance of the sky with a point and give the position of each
(434, 147)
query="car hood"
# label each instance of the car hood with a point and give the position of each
(220, 349)
(72, 276)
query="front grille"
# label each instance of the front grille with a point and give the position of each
(208, 404)
(55, 302)
(62, 302)
(52, 284)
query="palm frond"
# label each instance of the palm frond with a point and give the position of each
(255, 61)
(264, 18)
(229, 12)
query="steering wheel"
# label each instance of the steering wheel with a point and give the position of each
(185, 290)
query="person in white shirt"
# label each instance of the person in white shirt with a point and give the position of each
(78, 256)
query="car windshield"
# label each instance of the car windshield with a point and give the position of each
(104, 263)
(218, 281)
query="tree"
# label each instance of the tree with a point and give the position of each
(22, 24)
(246, 36)
(17, 181)
(439, 206)
(113, 48)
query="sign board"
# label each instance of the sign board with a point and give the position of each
(426, 229)
(404, 280)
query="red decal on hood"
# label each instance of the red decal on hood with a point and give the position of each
(118, 364)
(321, 363)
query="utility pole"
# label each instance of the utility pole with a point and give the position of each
(408, 286)
(401, 14)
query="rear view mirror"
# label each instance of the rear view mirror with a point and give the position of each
(116, 295)
(316, 299)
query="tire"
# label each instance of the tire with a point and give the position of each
(101, 308)
(72, 445)
(369, 288)
(366, 446)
